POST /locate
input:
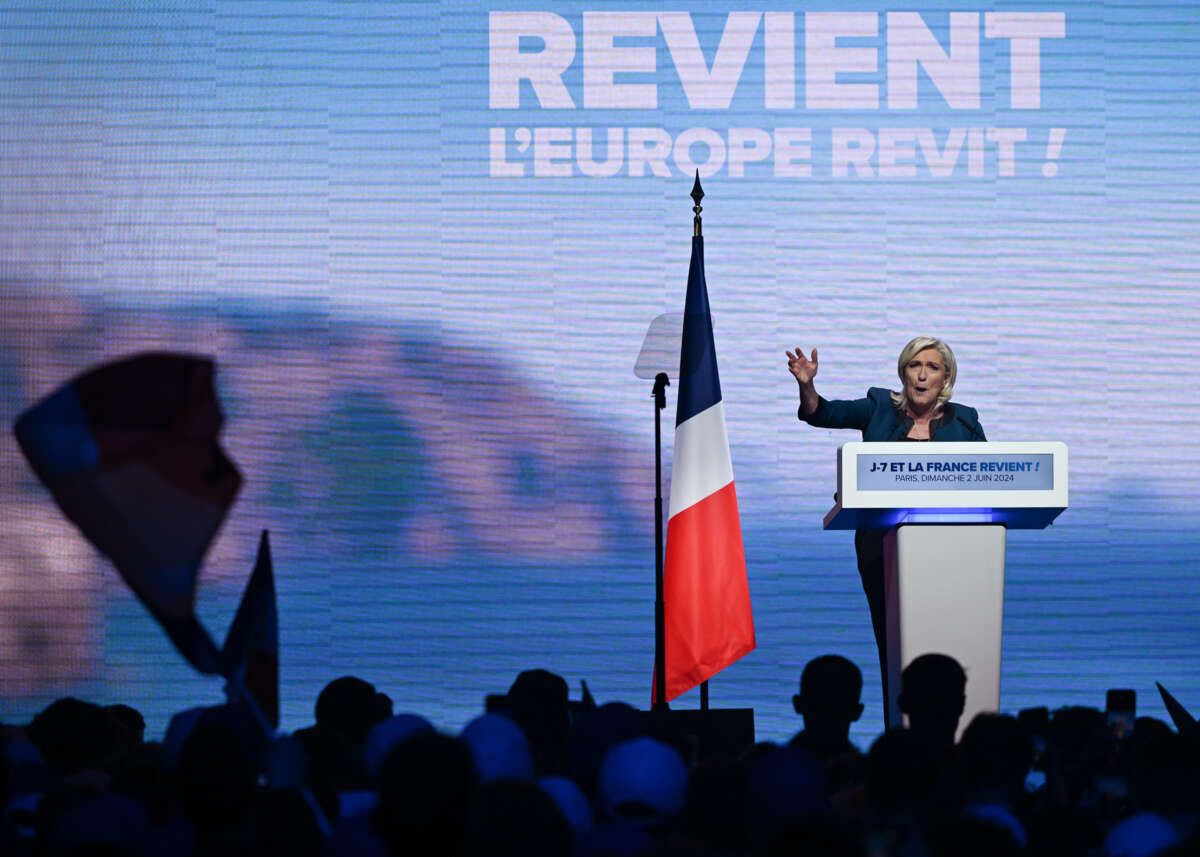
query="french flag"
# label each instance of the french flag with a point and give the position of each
(130, 452)
(251, 651)
(709, 623)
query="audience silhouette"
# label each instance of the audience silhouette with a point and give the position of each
(534, 775)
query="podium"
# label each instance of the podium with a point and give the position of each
(946, 509)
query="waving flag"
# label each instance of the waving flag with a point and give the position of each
(129, 451)
(706, 595)
(1185, 724)
(252, 646)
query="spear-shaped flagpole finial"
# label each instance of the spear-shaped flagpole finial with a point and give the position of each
(697, 195)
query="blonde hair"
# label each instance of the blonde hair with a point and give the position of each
(908, 352)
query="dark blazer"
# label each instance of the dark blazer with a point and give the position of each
(878, 420)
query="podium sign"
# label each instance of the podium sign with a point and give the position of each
(946, 509)
(882, 485)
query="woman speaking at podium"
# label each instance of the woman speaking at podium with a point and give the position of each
(921, 411)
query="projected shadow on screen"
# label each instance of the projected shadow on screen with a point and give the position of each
(386, 448)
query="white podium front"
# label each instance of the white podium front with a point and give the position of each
(946, 507)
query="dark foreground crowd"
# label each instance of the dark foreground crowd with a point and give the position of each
(539, 775)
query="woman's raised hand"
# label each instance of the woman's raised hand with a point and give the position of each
(803, 368)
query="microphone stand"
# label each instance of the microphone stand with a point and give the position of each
(660, 630)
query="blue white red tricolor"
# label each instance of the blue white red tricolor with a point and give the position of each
(130, 452)
(706, 595)
(251, 649)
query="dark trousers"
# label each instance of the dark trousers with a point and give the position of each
(868, 544)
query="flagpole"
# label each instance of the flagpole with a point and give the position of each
(236, 691)
(697, 194)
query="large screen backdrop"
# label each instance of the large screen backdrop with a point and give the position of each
(424, 241)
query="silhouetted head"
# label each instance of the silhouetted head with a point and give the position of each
(426, 787)
(902, 775)
(547, 688)
(996, 751)
(1083, 740)
(714, 788)
(131, 722)
(932, 693)
(215, 777)
(499, 748)
(388, 734)
(250, 738)
(1163, 766)
(1143, 833)
(643, 780)
(537, 702)
(571, 802)
(830, 689)
(785, 786)
(73, 735)
(330, 764)
(594, 733)
(351, 706)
